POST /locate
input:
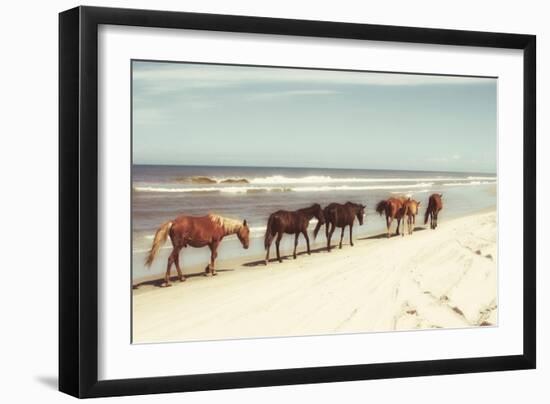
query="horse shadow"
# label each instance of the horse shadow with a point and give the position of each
(159, 282)
(385, 235)
(283, 257)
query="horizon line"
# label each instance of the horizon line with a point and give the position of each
(311, 167)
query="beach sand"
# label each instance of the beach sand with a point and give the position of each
(444, 278)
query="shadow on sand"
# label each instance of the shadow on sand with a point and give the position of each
(384, 235)
(288, 256)
(158, 282)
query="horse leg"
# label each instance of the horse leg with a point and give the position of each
(171, 260)
(268, 247)
(181, 277)
(351, 235)
(342, 236)
(304, 232)
(398, 223)
(213, 256)
(277, 242)
(389, 220)
(295, 244)
(332, 227)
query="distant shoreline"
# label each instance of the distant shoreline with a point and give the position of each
(308, 167)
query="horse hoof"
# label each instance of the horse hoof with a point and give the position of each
(294, 257)
(265, 262)
(183, 279)
(165, 285)
(214, 273)
(280, 261)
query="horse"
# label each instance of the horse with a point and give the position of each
(338, 215)
(196, 231)
(290, 222)
(434, 206)
(393, 208)
(410, 207)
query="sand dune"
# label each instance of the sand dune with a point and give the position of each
(432, 279)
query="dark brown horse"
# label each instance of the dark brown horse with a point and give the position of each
(338, 215)
(393, 209)
(290, 222)
(411, 208)
(196, 232)
(435, 204)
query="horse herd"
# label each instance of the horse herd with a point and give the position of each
(209, 230)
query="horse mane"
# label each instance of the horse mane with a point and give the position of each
(313, 206)
(381, 206)
(228, 225)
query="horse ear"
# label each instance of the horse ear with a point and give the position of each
(244, 223)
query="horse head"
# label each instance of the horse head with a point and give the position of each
(318, 213)
(243, 235)
(360, 213)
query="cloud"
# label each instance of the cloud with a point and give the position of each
(444, 159)
(289, 93)
(174, 76)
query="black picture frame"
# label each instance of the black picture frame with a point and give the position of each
(78, 201)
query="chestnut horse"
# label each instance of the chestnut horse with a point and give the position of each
(434, 206)
(290, 222)
(338, 215)
(410, 211)
(393, 208)
(196, 231)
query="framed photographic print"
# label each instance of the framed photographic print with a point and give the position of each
(250, 201)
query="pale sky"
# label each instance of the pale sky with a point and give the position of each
(196, 114)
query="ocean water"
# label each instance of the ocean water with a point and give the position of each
(161, 193)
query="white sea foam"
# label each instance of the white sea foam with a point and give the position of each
(249, 189)
(320, 179)
(410, 194)
(455, 184)
(481, 178)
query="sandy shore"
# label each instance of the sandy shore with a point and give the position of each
(445, 278)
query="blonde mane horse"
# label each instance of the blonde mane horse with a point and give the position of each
(196, 231)
(410, 210)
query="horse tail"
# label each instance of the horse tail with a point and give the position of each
(326, 214)
(317, 228)
(381, 207)
(268, 234)
(160, 238)
(428, 208)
